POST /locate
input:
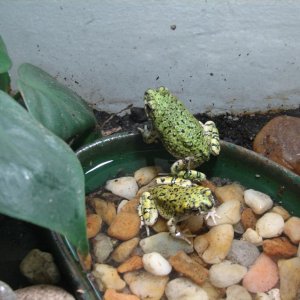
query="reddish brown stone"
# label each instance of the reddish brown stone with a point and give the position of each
(182, 263)
(131, 264)
(279, 247)
(279, 140)
(248, 218)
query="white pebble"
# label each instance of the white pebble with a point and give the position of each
(125, 187)
(156, 264)
(251, 236)
(259, 202)
(270, 225)
(184, 289)
(226, 273)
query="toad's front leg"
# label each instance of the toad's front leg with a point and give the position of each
(147, 211)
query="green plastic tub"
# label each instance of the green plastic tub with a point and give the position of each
(122, 154)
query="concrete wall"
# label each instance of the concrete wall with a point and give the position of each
(223, 55)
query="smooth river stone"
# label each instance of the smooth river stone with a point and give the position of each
(270, 225)
(125, 187)
(164, 244)
(258, 201)
(292, 229)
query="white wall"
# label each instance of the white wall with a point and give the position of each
(223, 56)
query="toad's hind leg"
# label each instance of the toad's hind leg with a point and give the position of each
(182, 169)
(147, 211)
(175, 231)
(211, 133)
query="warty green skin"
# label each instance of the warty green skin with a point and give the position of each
(173, 201)
(180, 132)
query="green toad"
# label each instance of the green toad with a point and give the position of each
(183, 136)
(174, 202)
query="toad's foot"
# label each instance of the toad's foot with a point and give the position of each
(175, 232)
(182, 168)
(212, 214)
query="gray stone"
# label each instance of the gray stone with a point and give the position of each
(243, 253)
(39, 267)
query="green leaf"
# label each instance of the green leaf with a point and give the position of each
(5, 61)
(5, 82)
(41, 179)
(57, 107)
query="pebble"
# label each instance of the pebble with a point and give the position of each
(111, 294)
(252, 237)
(289, 272)
(281, 211)
(228, 192)
(43, 291)
(237, 292)
(125, 187)
(243, 253)
(228, 212)
(273, 294)
(133, 263)
(102, 247)
(226, 273)
(279, 247)
(184, 289)
(270, 225)
(39, 267)
(6, 293)
(93, 225)
(105, 209)
(189, 268)
(213, 292)
(123, 251)
(214, 245)
(279, 141)
(160, 225)
(131, 206)
(262, 275)
(107, 277)
(292, 229)
(193, 223)
(125, 226)
(258, 201)
(156, 264)
(248, 218)
(144, 175)
(146, 285)
(164, 244)
(262, 296)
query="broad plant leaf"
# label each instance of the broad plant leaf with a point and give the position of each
(41, 179)
(5, 82)
(5, 61)
(57, 107)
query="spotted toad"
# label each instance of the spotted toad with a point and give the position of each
(174, 199)
(183, 136)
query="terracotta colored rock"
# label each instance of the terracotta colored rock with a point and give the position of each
(248, 218)
(262, 275)
(279, 247)
(93, 225)
(111, 294)
(160, 225)
(292, 229)
(123, 251)
(125, 226)
(289, 272)
(131, 264)
(105, 209)
(279, 140)
(182, 263)
(131, 205)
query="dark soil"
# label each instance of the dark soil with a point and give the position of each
(237, 129)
